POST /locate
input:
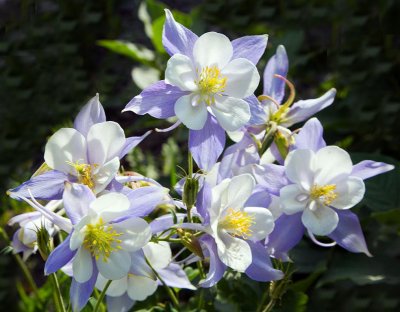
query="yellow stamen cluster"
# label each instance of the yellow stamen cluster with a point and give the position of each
(326, 193)
(210, 82)
(237, 223)
(84, 172)
(101, 239)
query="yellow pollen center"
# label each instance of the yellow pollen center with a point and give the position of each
(237, 223)
(84, 172)
(210, 83)
(325, 193)
(101, 239)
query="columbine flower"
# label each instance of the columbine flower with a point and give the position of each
(209, 84)
(141, 281)
(25, 238)
(317, 186)
(89, 154)
(322, 181)
(103, 233)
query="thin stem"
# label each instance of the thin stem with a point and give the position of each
(58, 300)
(170, 240)
(269, 138)
(190, 176)
(264, 297)
(101, 297)
(270, 305)
(171, 294)
(23, 267)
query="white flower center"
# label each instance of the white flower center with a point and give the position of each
(210, 83)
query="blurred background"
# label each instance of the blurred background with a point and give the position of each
(56, 55)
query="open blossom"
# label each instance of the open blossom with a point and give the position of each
(322, 181)
(315, 191)
(101, 237)
(209, 85)
(89, 154)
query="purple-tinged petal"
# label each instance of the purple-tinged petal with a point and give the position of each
(92, 113)
(261, 268)
(310, 136)
(47, 186)
(348, 233)
(144, 200)
(174, 126)
(217, 268)
(250, 47)
(259, 198)
(80, 292)
(304, 109)
(207, 144)
(119, 304)
(369, 168)
(277, 155)
(77, 198)
(157, 100)
(258, 115)
(16, 243)
(237, 156)
(174, 276)
(117, 187)
(59, 257)
(165, 222)
(287, 233)
(131, 143)
(277, 64)
(176, 38)
(23, 218)
(271, 176)
(204, 202)
(63, 223)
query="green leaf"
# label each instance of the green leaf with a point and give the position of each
(389, 218)
(293, 301)
(134, 51)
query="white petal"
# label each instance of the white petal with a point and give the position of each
(110, 206)
(234, 252)
(136, 233)
(82, 265)
(350, 192)
(330, 163)
(230, 112)
(242, 78)
(140, 287)
(105, 141)
(78, 235)
(105, 174)
(300, 168)
(212, 49)
(239, 190)
(263, 222)
(293, 199)
(117, 287)
(181, 73)
(115, 266)
(192, 116)
(65, 146)
(321, 221)
(159, 254)
(275, 207)
(219, 200)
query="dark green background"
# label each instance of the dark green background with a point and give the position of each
(51, 64)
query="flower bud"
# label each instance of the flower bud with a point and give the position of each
(190, 190)
(190, 242)
(44, 242)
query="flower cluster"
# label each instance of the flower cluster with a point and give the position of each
(268, 188)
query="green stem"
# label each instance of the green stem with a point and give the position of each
(23, 267)
(171, 294)
(170, 240)
(58, 300)
(270, 305)
(101, 297)
(190, 176)
(264, 297)
(269, 138)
